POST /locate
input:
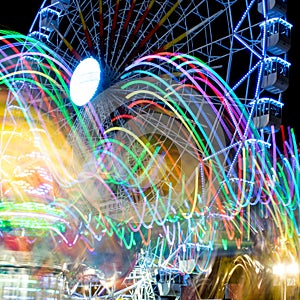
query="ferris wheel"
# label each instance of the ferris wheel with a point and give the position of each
(128, 46)
(163, 136)
(232, 37)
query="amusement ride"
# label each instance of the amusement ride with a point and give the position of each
(140, 155)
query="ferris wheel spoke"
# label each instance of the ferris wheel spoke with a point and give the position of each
(86, 31)
(69, 46)
(126, 23)
(133, 44)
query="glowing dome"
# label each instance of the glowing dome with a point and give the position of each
(85, 81)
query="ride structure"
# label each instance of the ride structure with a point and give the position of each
(168, 111)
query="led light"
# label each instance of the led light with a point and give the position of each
(85, 81)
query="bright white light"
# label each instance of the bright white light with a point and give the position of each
(85, 81)
(292, 269)
(279, 269)
(286, 269)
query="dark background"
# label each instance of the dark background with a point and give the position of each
(18, 15)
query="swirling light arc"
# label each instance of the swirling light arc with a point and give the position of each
(191, 97)
(141, 101)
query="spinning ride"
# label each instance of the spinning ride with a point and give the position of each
(161, 140)
(226, 35)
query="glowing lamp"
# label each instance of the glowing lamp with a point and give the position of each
(85, 81)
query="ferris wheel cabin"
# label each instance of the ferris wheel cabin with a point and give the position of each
(267, 114)
(278, 35)
(274, 8)
(276, 75)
